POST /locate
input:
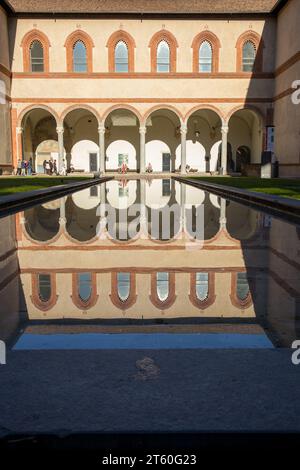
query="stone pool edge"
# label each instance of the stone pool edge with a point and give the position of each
(17, 202)
(277, 205)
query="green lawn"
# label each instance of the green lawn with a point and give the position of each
(277, 186)
(18, 184)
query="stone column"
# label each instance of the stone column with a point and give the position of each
(183, 132)
(101, 161)
(224, 131)
(222, 219)
(143, 131)
(19, 132)
(61, 151)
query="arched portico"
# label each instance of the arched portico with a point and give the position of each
(246, 138)
(79, 132)
(204, 130)
(37, 127)
(122, 141)
(162, 137)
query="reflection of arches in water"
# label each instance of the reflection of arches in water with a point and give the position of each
(42, 224)
(195, 156)
(156, 154)
(243, 157)
(158, 193)
(121, 194)
(88, 198)
(118, 152)
(241, 221)
(209, 226)
(81, 224)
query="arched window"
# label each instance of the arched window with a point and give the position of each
(206, 51)
(123, 286)
(163, 57)
(202, 286)
(163, 289)
(162, 286)
(249, 49)
(36, 57)
(35, 45)
(240, 290)
(249, 54)
(44, 287)
(79, 57)
(202, 289)
(79, 49)
(121, 57)
(242, 286)
(205, 57)
(84, 286)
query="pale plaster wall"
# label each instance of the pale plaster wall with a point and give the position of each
(5, 127)
(287, 114)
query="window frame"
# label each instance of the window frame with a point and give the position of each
(168, 37)
(213, 40)
(70, 42)
(111, 44)
(28, 39)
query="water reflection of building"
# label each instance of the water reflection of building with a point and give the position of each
(68, 271)
(246, 271)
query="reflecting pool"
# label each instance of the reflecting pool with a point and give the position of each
(141, 267)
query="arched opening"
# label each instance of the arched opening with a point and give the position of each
(162, 139)
(201, 286)
(37, 57)
(121, 57)
(242, 286)
(243, 158)
(246, 138)
(79, 57)
(39, 135)
(203, 132)
(84, 285)
(84, 156)
(205, 57)
(163, 57)
(42, 222)
(46, 151)
(162, 286)
(248, 56)
(122, 140)
(123, 286)
(44, 287)
(120, 152)
(81, 140)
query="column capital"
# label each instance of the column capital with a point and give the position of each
(143, 130)
(19, 130)
(60, 129)
(225, 129)
(183, 129)
(101, 130)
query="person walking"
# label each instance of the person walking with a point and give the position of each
(51, 166)
(44, 166)
(23, 168)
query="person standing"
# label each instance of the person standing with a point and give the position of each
(55, 168)
(19, 167)
(44, 166)
(51, 166)
(23, 168)
(29, 167)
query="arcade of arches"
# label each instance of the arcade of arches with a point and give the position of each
(202, 142)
